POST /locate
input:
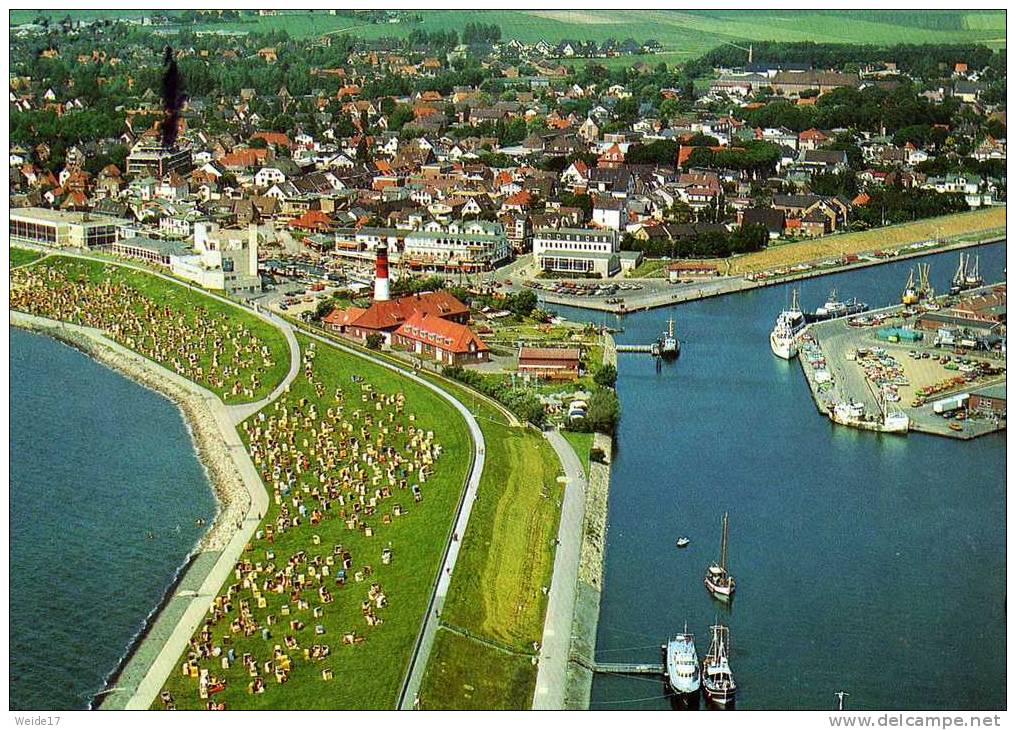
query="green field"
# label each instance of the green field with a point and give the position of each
(464, 674)
(366, 675)
(582, 443)
(689, 33)
(181, 301)
(22, 256)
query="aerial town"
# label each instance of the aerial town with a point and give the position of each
(415, 287)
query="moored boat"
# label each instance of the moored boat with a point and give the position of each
(717, 676)
(683, 542)
(718, 580)
(682, 665)
(834, 308)
(783, 338)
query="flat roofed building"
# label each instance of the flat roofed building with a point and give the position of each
(989, 400)
(465, 247)
(584, 251)
(63, 229)
(152, 250)
(149, 157)
(556, 363)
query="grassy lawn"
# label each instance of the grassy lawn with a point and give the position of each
(507, 555)
(582, 443)
(205, 321)
(468, 675)
(22, 256)
(367, 675)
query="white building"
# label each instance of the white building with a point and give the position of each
(223, 260)
(577, 251)
(469, 246)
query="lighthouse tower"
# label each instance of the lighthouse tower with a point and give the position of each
(381, 292)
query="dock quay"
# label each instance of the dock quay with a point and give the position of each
(647, 349)
(879, 371)
(625, 668)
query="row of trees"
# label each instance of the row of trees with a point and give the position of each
(519, 400)
(704, 245)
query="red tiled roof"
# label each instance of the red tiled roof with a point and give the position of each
(549, 353)
(343, 317)
(449, 336)
(312, 220)
(390, 314)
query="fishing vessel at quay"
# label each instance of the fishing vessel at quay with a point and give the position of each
(783, 338)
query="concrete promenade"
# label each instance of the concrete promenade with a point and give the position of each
(552, 671)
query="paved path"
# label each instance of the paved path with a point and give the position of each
(551, 674)
(425, 639)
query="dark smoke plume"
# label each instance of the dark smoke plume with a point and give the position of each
(172, 98)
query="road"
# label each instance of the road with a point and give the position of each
(425, 639)
(552, 671)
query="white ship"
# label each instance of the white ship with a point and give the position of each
(717, 677)
(783, 338)
(670, 346)
(682, 664)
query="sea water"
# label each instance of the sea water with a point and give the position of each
(105, 492)
(865, 563)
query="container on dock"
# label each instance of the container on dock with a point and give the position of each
(950, 404)
(898, 334)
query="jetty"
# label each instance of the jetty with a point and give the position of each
(647, 349)
(627, 668)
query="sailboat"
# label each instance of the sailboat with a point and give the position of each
(717, 677)
(719, 582)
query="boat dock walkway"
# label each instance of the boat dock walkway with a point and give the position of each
(626, 668)
(648, 349)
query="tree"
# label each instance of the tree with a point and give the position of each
(324, 308)
(374, 341)
(523, 303)
(606, 376)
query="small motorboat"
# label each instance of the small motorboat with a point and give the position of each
(683, 542)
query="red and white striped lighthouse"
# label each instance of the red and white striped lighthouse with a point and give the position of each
(381, 292)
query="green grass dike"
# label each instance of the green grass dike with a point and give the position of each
(483, 656)
(368, 641)
(24, 256)
(224, 348)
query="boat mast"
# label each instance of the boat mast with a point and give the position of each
(961, 272)
(723, 545)
(793, 300)
(670, 329)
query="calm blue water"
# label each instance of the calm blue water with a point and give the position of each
(865, 563)
(97, 462)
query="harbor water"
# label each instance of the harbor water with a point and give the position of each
(865, 563)
(105, 492)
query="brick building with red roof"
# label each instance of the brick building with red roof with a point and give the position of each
(441, 340)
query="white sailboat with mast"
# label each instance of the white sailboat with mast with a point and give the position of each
(718, 580)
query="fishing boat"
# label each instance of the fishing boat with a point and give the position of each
(682, 664)
(910, 291)
(683, 542)
(720, 582)
(966, 277)
(717, 677)
(783, 338)
(670, 347)
(834, 308)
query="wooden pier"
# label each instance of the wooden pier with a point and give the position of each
(622, 668)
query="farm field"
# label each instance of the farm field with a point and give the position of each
(367, 675)
(689, 33)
